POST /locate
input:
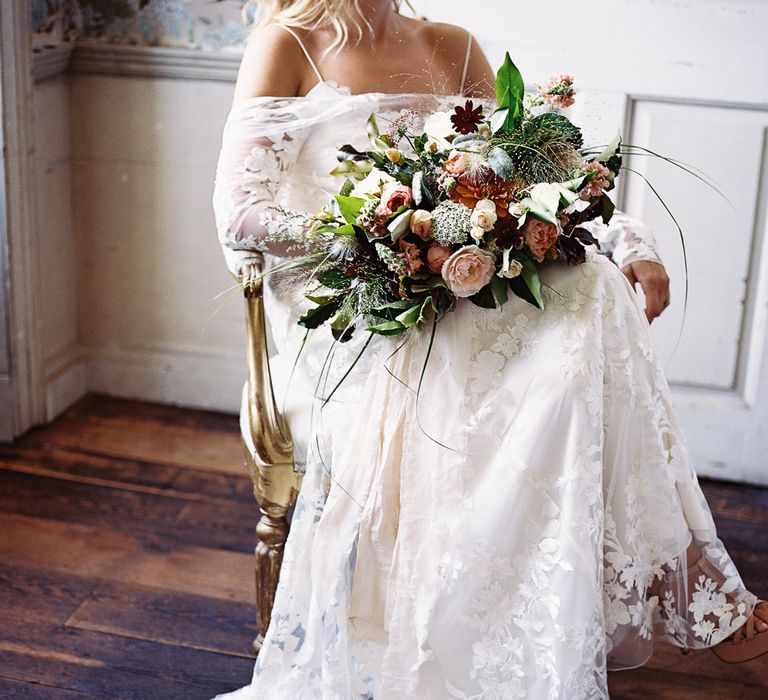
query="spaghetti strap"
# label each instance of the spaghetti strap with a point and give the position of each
(303, 48)
(466, 64)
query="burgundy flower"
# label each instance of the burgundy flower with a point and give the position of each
(467, 118)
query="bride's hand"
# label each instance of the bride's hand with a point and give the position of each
(654, 281)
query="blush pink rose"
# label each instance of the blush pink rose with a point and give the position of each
(392, 198)
(539, 236)
(468, 270)
(436, 255)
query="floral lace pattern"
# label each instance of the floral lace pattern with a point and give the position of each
(530, 523)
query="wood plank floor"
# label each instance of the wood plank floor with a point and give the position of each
(126, 570)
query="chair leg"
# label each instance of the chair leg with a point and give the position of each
(271, 532)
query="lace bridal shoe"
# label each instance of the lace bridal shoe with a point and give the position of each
(749, 641)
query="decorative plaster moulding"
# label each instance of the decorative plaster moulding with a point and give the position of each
(135, 61)
(48, 61)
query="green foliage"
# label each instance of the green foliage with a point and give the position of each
(510, 89)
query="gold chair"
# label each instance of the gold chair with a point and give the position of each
(267, 450)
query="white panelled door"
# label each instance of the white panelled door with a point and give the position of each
(686, 78)
(719, 368)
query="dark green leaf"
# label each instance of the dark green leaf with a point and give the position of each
(527, 284)
(607, 208)
(500, 286)
(318, 315)
(484, 298)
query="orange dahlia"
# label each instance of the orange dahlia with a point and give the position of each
(470, 190)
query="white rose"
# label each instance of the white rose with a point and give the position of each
(372, 184)
(517, 210)
(484, 218)
(486, 204)
(477, 233)
(439, 125)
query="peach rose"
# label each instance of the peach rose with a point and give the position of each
(540, 236)
(393, 197)
(421, 223)
(468, 270)
(436, 255)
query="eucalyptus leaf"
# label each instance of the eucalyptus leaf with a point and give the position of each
(500, 162)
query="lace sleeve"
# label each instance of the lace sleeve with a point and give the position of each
(624, 239)
(259, 146)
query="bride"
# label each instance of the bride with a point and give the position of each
(529, 521)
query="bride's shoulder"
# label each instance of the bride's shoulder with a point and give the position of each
(444, 35)
(272, 64)
(457, 45)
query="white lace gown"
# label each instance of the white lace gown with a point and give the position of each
(553, 535)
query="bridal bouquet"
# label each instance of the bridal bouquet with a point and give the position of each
(469, 205)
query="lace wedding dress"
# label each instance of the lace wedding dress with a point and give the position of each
(555, 531)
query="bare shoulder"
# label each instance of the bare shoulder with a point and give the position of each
(272, 65)
(454, 40)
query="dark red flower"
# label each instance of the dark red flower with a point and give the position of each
(467, 118)
(506, 232)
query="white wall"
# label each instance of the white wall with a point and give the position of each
(65, 371)
(150, 265)
(686, 76)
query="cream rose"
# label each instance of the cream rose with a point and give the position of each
(540, 236)
(468, 270)
(483, 217)
(477, 233)
(421, 223)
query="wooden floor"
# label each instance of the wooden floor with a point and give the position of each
(126, 537)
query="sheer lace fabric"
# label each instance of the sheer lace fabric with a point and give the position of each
(556, 532)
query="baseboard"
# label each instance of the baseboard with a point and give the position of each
(185, 377)
(66, 380)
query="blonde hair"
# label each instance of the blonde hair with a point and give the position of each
(339, 15)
